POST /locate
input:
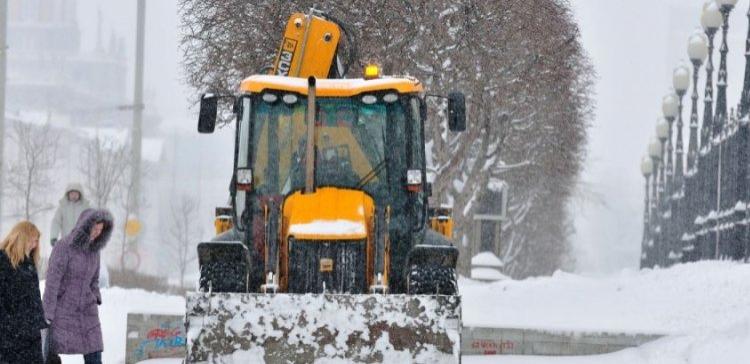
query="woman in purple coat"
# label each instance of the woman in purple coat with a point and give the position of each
(71, 294)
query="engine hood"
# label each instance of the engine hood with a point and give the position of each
(328, 214)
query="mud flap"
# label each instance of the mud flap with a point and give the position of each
(291, 328)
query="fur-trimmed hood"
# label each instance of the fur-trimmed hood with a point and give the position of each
(82, 231)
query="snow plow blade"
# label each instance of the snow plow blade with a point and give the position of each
(308, 328)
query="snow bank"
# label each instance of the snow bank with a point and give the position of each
(703, 307)
(728, 345)
(116, 303)
(683, 299)
(487, 274)
(486, 259)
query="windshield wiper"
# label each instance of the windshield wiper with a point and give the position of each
(372, 174)
(375, 170)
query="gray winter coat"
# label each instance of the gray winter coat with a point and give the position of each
(71, 293)
(68, 212)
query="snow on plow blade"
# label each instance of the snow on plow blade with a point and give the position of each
(291, 328)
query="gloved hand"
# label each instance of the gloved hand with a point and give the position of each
(53, 241)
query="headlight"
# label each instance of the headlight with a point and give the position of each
(270, 98)
(369, 99)
(389, 98)
(244, 179)
(289, 99)
(414, 180)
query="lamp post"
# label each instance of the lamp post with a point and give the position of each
(681, 82)
(720, 116)
(745, 99)
(697, 52)
(655, 152)
(647, 168)
(710, 20)
(669, 107)
(662, 132)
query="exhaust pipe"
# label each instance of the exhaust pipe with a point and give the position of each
(310, 150)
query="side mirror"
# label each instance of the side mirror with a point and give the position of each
(207, 116)
(456, 111)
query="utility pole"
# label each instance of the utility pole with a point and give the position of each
(138, 107)
(3, 64)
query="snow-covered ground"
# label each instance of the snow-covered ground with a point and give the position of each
(116, 303)
(683, 299)
(704, 308)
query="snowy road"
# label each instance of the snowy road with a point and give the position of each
(704, 307)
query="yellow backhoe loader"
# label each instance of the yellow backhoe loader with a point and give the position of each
(328, 251)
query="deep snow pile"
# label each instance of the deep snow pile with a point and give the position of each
(703, 307)
(683, 299)
(116, 303)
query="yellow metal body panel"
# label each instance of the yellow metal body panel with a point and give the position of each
(346, 87)
(308, 48)
(222, 224)
(442, 225)
(328, 214)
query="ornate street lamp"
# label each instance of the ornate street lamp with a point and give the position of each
(745, 99)
(647, 168)
(670, 108)
(681, 82)
(655, 151)
(697, 52)
(720, 116)
(662, 131)
(711, 21)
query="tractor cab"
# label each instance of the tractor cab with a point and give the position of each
(368, 145)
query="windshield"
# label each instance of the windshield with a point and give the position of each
(351, 144)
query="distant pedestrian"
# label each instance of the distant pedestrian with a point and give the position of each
(71, 205)
(21, 314)
(71, 293)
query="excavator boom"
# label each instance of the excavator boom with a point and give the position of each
(308, 48)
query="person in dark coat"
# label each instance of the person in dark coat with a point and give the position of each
(21, 314)
(71, 294)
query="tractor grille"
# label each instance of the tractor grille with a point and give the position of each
(347, 272)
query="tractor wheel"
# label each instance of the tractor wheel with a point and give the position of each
(222, 277)
(432, 279)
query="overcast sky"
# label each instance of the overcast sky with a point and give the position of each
(633, 44)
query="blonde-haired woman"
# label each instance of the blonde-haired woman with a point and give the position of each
(21, 314)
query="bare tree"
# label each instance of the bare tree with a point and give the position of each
(103, 167)
(30, 174)
(183, 232)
